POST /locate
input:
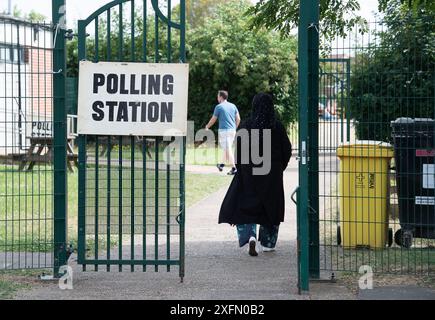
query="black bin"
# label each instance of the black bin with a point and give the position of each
(414, 149)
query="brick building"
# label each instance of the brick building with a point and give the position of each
(26, 75)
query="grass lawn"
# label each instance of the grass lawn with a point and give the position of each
(394, 260)
(205, 156)
(8, 288)
(208, 156)
(26, 205)
(199, 186)
(12, 281)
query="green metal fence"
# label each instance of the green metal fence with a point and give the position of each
(71, 89)
(131, 201)
(372, 196)
(33, 143)
(366, 194)
(26, 114)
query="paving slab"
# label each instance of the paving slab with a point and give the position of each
(397, 293)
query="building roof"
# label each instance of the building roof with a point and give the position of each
(24, 22)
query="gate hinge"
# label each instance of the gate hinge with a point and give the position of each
(69, 34)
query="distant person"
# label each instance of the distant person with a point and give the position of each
(229, 120)
(259, 199)
(327, 112)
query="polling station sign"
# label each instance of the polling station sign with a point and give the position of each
(133, 99)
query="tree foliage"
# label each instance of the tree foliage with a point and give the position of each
(198, 11)
(124, 51)
(408, 5)
(394, 77)
(31, 16)
(224, 53)
(337, 17)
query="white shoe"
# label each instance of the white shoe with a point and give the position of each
(265, 249)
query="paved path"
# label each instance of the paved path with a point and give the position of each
(216, 268)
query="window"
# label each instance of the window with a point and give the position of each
(10, 54)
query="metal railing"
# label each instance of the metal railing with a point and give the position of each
(375, 200)
(26, 98)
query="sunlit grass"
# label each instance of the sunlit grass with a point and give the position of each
(26, 205)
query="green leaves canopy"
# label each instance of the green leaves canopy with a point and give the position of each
(225, 53)
(394, 77)
(337, 17)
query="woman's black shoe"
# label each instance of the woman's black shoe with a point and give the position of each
(252, 245)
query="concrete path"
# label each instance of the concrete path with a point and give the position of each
(216, 268)
(397, 293)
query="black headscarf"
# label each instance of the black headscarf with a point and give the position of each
(263, 112)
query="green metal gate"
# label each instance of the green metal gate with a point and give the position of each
(131, 201)
(375, 75)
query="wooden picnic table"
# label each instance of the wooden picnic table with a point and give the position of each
(41, 151)
(126, 141)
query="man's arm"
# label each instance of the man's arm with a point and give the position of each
(238, 119)
(211, 122)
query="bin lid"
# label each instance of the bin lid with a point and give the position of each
(409, 127)
(365, 149)
(412, 121)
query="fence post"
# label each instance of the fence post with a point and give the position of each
(313, 134)
(183, 151)
(59, 132)
(309, 16)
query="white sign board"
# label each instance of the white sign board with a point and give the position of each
(133, 99)
(429, 176)
(39, 129)
(425, 201)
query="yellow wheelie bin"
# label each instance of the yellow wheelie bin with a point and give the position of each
(363, 187)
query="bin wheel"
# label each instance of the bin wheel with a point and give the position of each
(398, 237)
(390, 237)
(338, 235)
(403, 239)
(407, 239)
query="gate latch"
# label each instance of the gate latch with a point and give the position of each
(179, 217)
(304, 153)
(295, 201)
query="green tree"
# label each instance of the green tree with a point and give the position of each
(17, 12)
(126, 54)
(36, 17)
(337, 17)
(198, 11)
(32, 15)
(408, 5)
(224, 53)
(394, 77)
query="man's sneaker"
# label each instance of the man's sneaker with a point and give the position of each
(220, 167)
(232, 172)
(252, 245)
(266, 249)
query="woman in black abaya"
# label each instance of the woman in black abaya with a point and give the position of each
(254, 198)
